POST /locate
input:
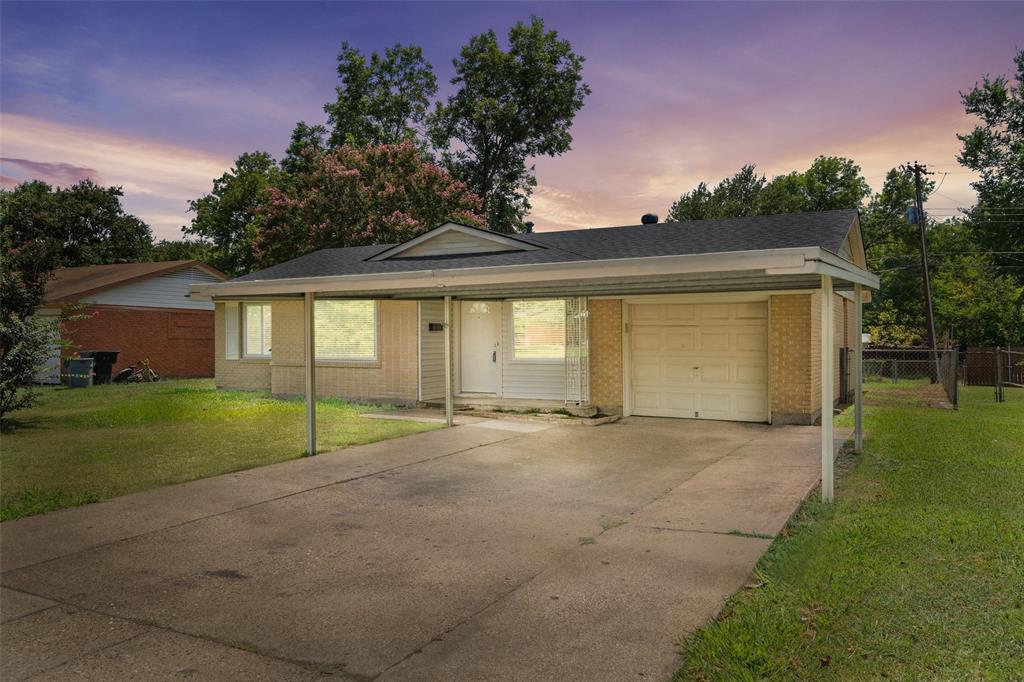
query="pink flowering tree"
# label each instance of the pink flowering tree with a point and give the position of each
(356, 196)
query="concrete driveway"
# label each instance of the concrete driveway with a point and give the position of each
(494, 550)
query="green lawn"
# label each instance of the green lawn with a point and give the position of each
(917, 571)
(83, 445)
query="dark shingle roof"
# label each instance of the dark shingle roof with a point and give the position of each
(827, 229)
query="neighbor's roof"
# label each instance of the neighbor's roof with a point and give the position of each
(70, 284)
(827, 230)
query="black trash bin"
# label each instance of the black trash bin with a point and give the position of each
(103, 363)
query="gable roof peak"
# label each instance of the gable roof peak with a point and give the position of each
(453, 238)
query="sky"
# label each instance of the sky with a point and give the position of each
(160, 98)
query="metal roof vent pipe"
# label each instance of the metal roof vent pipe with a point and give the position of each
(649, 219)
(528, 226)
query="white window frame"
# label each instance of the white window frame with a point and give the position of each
(244, 326)
(512, 332)
(350, 359)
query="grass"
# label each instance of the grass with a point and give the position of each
(79, 446)
(916, 572)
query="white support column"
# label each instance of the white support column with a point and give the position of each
(858, 369)
(449, 399)
(309, 358)
(827, 389)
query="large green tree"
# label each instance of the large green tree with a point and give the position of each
(30, 248)
(85, 221)
(354, 196)
(227, 219)
(733, 197)
(510, 105)
(381, 100)
(995, 150)
(306, 139)
(831, 182)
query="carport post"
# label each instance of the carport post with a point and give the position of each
(858, 368)
(449, 401)
(827, 388)
(310, 367)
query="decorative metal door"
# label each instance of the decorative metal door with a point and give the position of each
(577, 351)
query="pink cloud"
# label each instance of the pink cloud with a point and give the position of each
(62, 174)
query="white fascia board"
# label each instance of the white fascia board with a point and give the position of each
(776, 261)
(827, 263)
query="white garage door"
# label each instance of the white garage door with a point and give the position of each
(700, 360)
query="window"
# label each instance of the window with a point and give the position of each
(346, 330)
(257, 330)
(538, 330)
(231, 335)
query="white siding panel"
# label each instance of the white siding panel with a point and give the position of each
(454, 242)
(165, 291)
(541, 379)
(431, 351)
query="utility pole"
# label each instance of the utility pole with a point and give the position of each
(918, 170)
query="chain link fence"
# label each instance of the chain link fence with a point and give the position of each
(912, 376)
(919, 376)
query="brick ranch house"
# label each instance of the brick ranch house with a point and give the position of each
(736, 319)
(140, 309)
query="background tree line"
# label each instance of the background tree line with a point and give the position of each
(976, 258)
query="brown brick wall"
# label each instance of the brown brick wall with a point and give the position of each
(178, 343)
(393, 378)
(606, 354)
(796, 355)
(792, 358)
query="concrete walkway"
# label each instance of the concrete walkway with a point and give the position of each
(494, 550)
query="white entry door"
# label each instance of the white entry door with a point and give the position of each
(479, 341)
(700, 360)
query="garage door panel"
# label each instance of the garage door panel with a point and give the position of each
(652, 339)
(679, 374)
(682, 313)
(755, 311)
(751, 374)
(647, 370)
(682, 401)
(707, 360)
(713, 313)
(652, 313)
(681, 340)
(647, 400)
(714, 340)
(754, 341)
(715, 374)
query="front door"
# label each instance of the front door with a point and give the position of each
(481, 330)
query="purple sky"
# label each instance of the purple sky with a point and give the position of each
(160, 98)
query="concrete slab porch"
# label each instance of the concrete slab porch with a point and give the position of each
(483, 552)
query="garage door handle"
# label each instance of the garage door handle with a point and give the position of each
(494, 356)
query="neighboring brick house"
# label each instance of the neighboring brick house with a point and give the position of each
(142, 310)
(716, 319)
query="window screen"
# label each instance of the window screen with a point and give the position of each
(538, 330)
(257, 329)
(231, 331)
(346, 330)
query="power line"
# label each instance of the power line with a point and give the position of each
(957, 253)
